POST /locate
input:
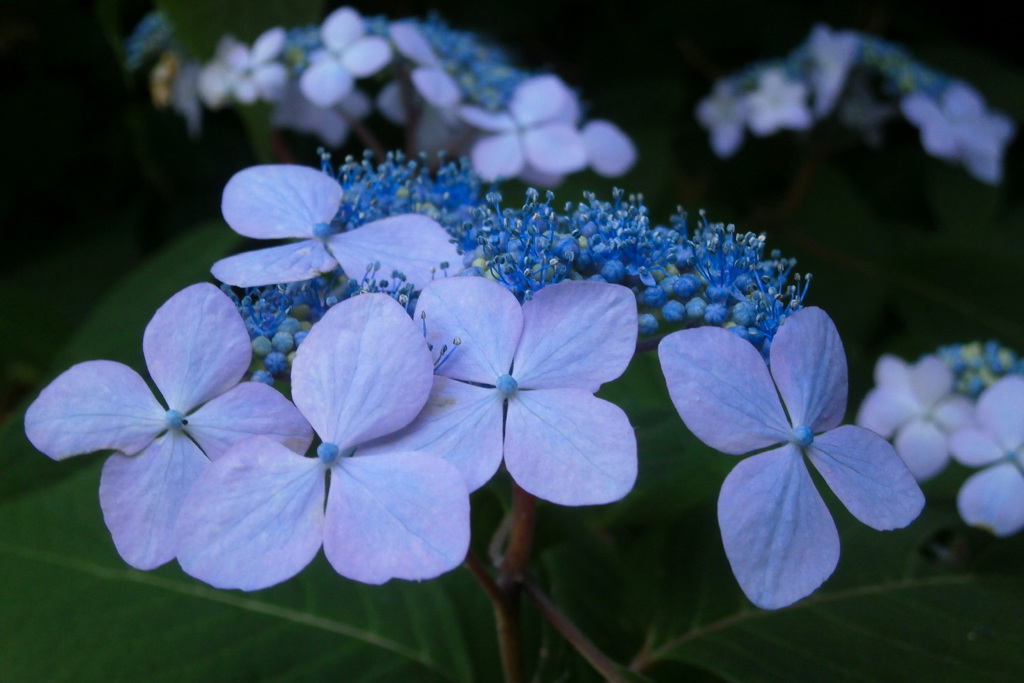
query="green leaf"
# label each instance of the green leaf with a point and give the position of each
(74, 611)
(113, 331)
(198, 26)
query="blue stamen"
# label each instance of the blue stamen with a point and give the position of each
(802, 436)
(507, 386)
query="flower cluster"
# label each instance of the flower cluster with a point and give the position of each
(452, 92)
(865, 81)
(967, 401)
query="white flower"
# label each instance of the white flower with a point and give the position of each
(834, 53)
(244, 75)
(348, 53)
(779, 102)
(724, 113)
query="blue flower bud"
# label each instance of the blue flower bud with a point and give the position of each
(674, 311)
(654, 297)
(261, 346)
(613, 271)
(648, 324)
(686, 286)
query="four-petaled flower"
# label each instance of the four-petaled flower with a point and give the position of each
(778, 534)
(257, 515)
(521, 384)
(347, 53)
(197, 350)
(994, 497)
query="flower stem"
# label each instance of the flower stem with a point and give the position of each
(365, 136)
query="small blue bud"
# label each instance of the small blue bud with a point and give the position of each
(290, 325)
(654, 297)
(507, 386)
(299, 336)
(648, 324)
(283, 342)
(686, 286)
(716, 314)
(263, 377)
(261, 346)
(613, 271)
(276, 363)
(695, 308)
(667, 283)
(802, 436)
(568, 249)
(674, 311)
(744, 313)
(718, 295)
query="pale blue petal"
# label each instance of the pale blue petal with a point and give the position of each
(436, 86)
(196, 347)
(1001, 411)
(886, 408)
(569, 447)
(461, 423)
(975, 448)
(863, 470)
(326, 82)
(141, 496)
(722, 389)
(362, 372)
(254, 518)
(366, 56)
(809, 367)
(554, 148)
(396, 516)
(273, 265)
(341, 28)
(610, 152)
(923, 447)
(497, 156)
(279, 200)
(539, 99)
(993, 499)
(576, 334)
(248, 409)
(410, 42)
(92, 406)
(778, 535)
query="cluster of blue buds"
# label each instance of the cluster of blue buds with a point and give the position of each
(977, 365)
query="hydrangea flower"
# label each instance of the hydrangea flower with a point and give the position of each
(778, 535)
(916, 404)
(281, 201)
(432, 82)
(778, 102)
(197, 350)
(958, 127)
(834, 54)
(330, 124)
(347, 53)
(532, 133)
(245, 75)
(257, 515)
(994, 497)
(521, 383)
(724, 113)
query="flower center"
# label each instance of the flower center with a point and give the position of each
(322, 231)
(802, 436)
(507, 386)
(175, 420)
(329, 453)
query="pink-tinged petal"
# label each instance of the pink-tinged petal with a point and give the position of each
(342, 27)
(436, 86)
(196, 346)
(993, 499)
(1001, 411)
(923, 447)
(576, 334)
(412, 244)
(254, 518)
(954, 413)
(778, 535)
(362, 372)
(722, 389)
(483, 315)
(930, 380)
(367, 56)
(460, 423)
(141, 496)
(411, 44)
(886, 408)
(610, 152)
(538, 99)
(864, 471)
(326, 82)
(497, 156)
(268, 45)
(809, 367)
(569, 447)
(280, 200)
(248, 409)
(396, 516)
(554, 148)
(975, 448)
(493, 122)
(286, 263)
(92, 406)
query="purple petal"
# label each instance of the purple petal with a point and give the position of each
(538, 99)
(254, 518)
(809, 367)
(576, 334)
(367, 56)
(497, 156)
(569, 447)
(326, 82)
(610, 152)
(268, 45)
(412, 244)
(286, 263)
(975, 448)
(923, 448)
(500, 122)
(554, 148)
(142, 494)
(410, 42)
(436, 86)
(248, 409)
(777, 532)
(362, 372)
(396, 515)
(341, 28)
(196, 346)
(280, 200)
(391, 103)
(994, 499)
(91, 406)
(483, 315)
(937, 135)
(864, 471)
(1001, 411)
(930, 380)
(461, 423)
(722, 389)
(953, 413)
(886, 408)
